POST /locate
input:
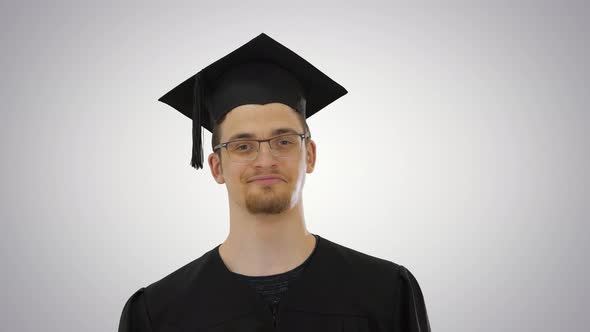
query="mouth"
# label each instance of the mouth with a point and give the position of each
(266, 179)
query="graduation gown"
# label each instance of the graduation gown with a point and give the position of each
(340, 290)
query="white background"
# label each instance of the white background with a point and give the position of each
(461, 152)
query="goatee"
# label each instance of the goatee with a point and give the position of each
(267, 200)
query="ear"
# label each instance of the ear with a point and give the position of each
(215, 166)
(310, 156)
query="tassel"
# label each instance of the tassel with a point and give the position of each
(198, 107)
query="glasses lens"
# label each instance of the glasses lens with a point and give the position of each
(242, 150)
(286, 145)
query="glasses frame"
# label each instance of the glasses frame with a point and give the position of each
(260, 141)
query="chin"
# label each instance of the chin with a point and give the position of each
(268, 200)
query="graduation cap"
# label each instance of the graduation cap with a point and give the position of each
(259, 72)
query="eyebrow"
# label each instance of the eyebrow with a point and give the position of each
(278, 131)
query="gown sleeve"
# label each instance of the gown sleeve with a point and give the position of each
(410, 313)
(135, 317)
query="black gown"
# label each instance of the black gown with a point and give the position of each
(337, 289)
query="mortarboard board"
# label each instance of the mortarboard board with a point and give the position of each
(259, 72)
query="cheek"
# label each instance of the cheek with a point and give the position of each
(302, 164)
(296, 170)
(233, 177)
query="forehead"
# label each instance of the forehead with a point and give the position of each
(259, 120)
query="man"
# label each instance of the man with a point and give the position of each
(270, 274)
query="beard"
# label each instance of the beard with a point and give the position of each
(267, 200)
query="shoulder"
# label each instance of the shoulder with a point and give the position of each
(155, 298)
(134, 316)
(361, 261)
(382, 286)
(386, 275)
(179, 280)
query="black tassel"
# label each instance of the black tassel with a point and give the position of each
(198, 107)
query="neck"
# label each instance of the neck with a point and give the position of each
(259, 245)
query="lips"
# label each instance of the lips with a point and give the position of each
(265, 177)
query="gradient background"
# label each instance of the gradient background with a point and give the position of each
(461, 152)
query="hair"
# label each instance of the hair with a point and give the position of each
(215, 139)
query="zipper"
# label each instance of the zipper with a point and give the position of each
(275, 309)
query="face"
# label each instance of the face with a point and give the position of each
(259, 197)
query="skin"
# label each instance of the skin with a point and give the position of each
(267, 233)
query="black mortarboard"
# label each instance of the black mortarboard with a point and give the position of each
(259, 72)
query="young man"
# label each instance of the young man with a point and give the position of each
(270, 274)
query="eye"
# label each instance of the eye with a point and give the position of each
(243, 146)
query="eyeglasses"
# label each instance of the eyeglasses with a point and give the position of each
(283, 146)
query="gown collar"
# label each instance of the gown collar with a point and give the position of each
(216, 295)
